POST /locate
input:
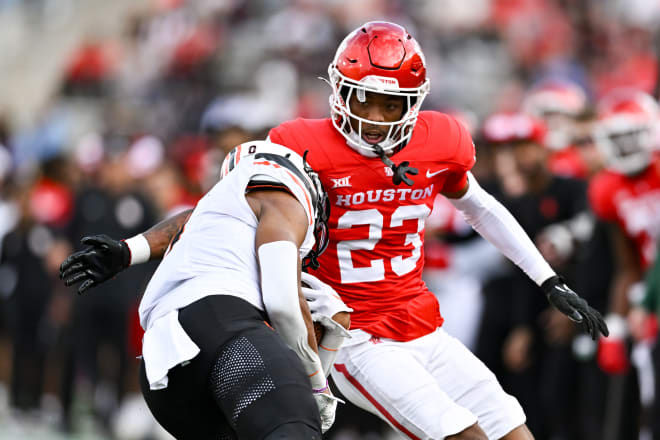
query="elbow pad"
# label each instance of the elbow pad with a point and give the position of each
(279, 288)
(496, 224)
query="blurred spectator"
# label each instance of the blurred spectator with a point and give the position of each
(643, 322)
(625, 194)
(166, 187)
(90, 67)
(558, 104)
(28, 266)
(100, 328)
(535, 341)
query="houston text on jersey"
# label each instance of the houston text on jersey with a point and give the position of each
(388, 195)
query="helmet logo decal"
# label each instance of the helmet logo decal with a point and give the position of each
(383, 82)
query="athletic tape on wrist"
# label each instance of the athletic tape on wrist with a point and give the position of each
(321, 390)
(139, 248)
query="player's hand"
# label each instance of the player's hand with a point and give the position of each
(321, 298)
(103, 259)
(333, 332)
(642, 325)
(555, 243)
(327, 404)
(516, 351)
(576, 308)
(612, 355)
(326, 306)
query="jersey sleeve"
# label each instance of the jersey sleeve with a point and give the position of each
(462, 158)
(272, 173)
(600, 197)
(267, 173)
(266, 182)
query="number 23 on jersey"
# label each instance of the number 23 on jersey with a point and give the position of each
(375, 269)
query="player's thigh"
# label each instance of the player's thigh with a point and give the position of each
(391, 383)
(185, 408)
(471, 384)
(260, 385)
(255, 379)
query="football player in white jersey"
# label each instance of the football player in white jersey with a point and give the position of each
(212, 366)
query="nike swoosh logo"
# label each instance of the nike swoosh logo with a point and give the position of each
(429, 174)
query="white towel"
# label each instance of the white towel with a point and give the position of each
(165, 345)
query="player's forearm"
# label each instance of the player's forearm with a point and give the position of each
(280, 293)
(628, 271)
(160, 235)
(496, 224)
(622, 283)
(309, 323)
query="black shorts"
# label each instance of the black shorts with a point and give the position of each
(243, 384)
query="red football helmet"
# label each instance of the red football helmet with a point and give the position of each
(557, 102)
(504, 128)
(625, 131)
(378, 57)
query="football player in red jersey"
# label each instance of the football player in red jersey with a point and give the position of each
(626, 194)
(559, 103)
(382, 162)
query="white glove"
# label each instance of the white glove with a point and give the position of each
(332, 339)
(333, 332)
(324, 303)
(327, 404)
(321, 298)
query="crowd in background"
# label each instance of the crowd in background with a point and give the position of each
(139, 125)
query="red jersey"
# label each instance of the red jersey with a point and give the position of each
(375, 256)
(568, 162)
(633, 203)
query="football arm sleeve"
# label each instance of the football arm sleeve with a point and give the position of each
(278, 261)
(282, 227)
(496, 224)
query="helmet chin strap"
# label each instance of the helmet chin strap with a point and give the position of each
(353, 141)
(400, 170)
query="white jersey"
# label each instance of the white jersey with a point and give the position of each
(215, 251)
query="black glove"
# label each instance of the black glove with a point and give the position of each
(104, 259)
(576, 308)
(400, 172)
